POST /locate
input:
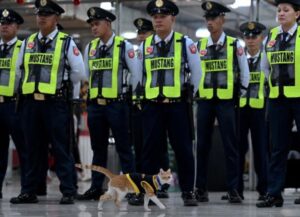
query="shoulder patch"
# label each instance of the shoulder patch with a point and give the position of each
(75, 51)
(203, 52)
(93, 52)
(30, 45)
(149, 49)
(131, 53)
(240, 51)
(193, 48)
(271, 43)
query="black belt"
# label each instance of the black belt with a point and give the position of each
(4, 99)
(105, 101)
(166, 100)
(44, 97)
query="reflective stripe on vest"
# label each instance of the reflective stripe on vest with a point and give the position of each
(256, 78)
(105, 64)
(51, 59)
(10, 64)
(164, 63)
(222, 93)
(284, 57)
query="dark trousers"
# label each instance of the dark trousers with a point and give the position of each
(101, 118)
(10, 125)
(206, 112)
(50, 118)
(254, 120)
(137, 139)
(282, 111)
(159, 119)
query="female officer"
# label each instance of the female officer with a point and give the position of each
(279, 64)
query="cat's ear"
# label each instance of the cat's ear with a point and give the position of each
(169, 171)
(161, 170)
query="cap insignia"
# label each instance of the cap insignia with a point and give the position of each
(208, 6)
(43, 3)
(92, 12)
(159, 3)
(5, 13)
(140, 22)
(251, 25)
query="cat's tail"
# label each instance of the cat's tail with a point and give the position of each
(99, 169)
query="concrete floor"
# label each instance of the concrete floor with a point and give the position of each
(48, 206)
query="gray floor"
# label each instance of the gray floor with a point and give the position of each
(48, 206)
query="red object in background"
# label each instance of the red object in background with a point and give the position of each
(76, 2)
(20, 2)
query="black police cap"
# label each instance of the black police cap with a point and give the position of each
(162, 7)
(143, 25)
(96, 13)
(252, 28)
(214, 9)
(293, 2)
(10, 16)
(44, 7)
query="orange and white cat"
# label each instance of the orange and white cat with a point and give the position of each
(120, 185)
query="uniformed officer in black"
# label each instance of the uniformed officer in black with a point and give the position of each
(48, 62)
(144, 29)
(280, 63)
(108, 61)
(223, 61)
(163, 57)
(252, 110)
(10, 22)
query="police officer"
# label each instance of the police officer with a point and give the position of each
(221, 56)
(163, 57)
(49, 60)
(280, 63)
(145, 29)
(108, 59)
(252, 110)
(10, 22)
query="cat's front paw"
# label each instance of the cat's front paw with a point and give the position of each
(147, 209)
(162, 207)
(100, 208)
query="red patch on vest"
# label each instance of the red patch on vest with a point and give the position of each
(149, 50)
(203, 52)
(93, 52)
(193, 48)
(30, 45)
(131, 53)
(240, 51)
(271, 43)
(76, 51)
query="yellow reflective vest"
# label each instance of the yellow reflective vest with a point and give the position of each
(276, 57)
(153, 63)
(52, 60)
(222, 65)
(9, 64)
(255, 90)
(111, 64)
